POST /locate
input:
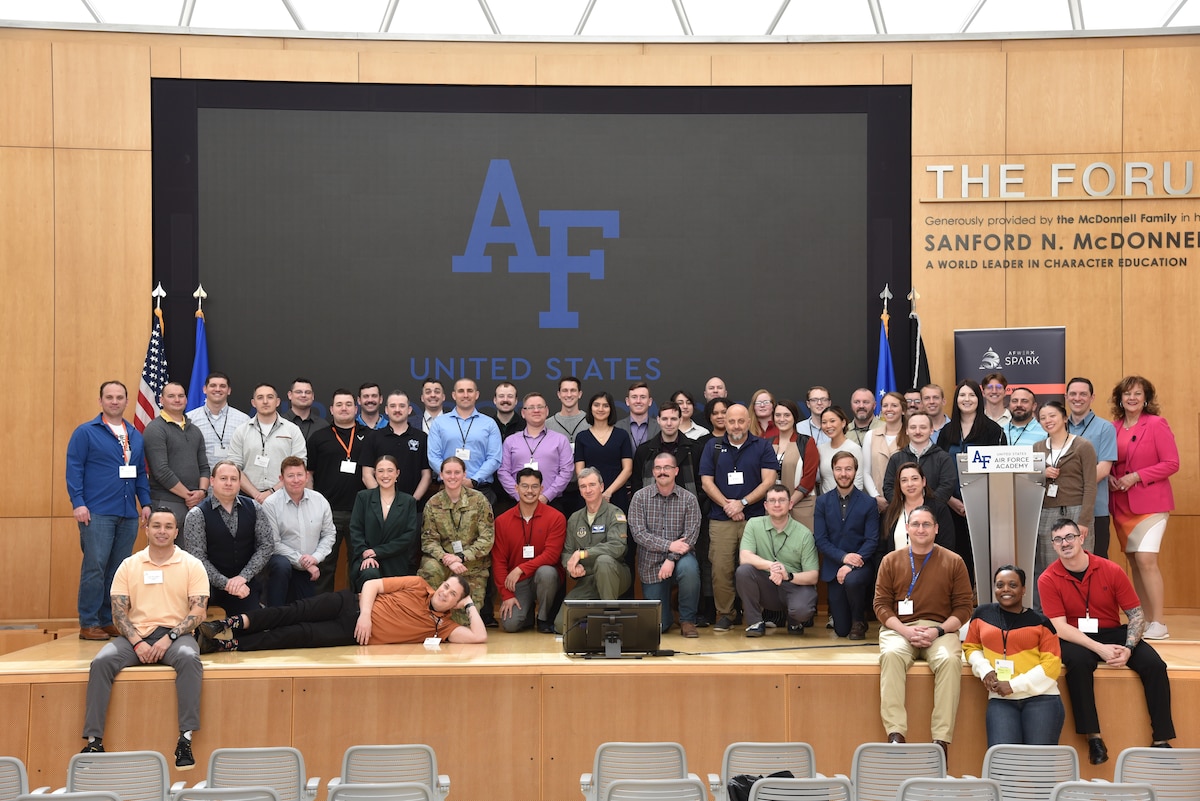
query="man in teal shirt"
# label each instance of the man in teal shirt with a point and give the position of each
(778, 569)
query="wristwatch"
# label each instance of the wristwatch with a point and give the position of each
(941, 631)
(790, 576)
(173, 634)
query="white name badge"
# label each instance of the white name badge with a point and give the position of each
(1089, 625)
(152, 577)
(1004, 669)
(735, 478)
(432, 643)
(572, 447)
(1052, 491)
(532, 464)
(456, 546)
(262, 460)
(349, 466)
(127, 471)
(463, 453)
(220, 450)
(527, 552)
(905, 607)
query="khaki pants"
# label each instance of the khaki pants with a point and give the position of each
(896, 656)
(724, 540)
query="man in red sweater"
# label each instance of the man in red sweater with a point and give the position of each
(525, 557)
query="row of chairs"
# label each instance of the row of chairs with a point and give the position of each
(658, 772)
(369, 773)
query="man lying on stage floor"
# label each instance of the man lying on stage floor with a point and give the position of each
(402, 609)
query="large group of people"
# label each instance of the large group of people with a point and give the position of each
(460, 521)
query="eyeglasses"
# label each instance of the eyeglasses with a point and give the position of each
(534, 408)
(777, 499)
(994, 386)
(818, 400)
(1065, 538)
(762, 403)
(529, 487)
(921, 524)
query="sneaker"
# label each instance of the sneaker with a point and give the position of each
(93, 747)
(723, 623)
(829, 622)
(756, 629)
(183, 754)
(1156, 631)
(545, 627)
(797, 628)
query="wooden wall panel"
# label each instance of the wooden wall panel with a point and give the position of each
(682, 69)
(269, 65)
(703, 712)
(25, 542)
(102, 285)
(502, 731)
(476, 69)
(1179, 556)
(797, 69)
(26, 317)
(898, 68)
(14, 734)
(65, 558)
(1157, 113)
(1064, 102)
(101, 96)
(25, 94)
(958, 103)
(164, 62)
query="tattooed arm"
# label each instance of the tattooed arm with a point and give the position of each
(1137, 625)
(196, 615)
(120, 616)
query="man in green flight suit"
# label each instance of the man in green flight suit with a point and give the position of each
(592, 553)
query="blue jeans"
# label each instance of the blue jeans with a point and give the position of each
(1029, 721)
(106, 542)
(687, 578)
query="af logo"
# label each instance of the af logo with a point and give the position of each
(991, 360)
(981, 458)
(500, 188)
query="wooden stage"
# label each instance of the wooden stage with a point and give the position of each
(517, 720)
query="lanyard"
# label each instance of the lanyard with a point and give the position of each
(771, 542)
(1087, 425)
(571, 433)
(1050, 460)
(267, 436)
(539, 439)
(345, 446)
(737, 452)
(527, 529)
(123, 440)
(1087, 599)
(458, 420)
(220, 436)
(437, 621)
(916, 574)
(1018, 439)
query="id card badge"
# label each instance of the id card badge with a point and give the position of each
(1004, 669)
(456, 546)
(572, 447)
(220, 451)
(433, 643)
(527, 552)
(532, 464)
(463, 453)
(262, 460)
(1052, 491)
(152, 577)
(127, 471)
(735, 478)
(905, 607)
(1089, 625)
(349, 466)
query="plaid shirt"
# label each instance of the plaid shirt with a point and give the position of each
(657, 520)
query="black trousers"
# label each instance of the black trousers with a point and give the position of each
(1144, 661)
(319, 622)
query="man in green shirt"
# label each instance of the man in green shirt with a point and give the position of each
(778, 569)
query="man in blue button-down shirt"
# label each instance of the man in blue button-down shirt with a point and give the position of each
(469, 435)
(106, 482)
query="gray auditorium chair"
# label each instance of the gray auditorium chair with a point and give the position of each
(390, 764)
(1030, 772)
(1174, 773)
(879, 769)
(280, 768)
(393, 791)
(1102, 791)
(132, 775)
(762, 759)
(91, 795)
(692, 789)
(624, 760)
(835, 788)
(13, 779)
(227, 794)
(948, 789)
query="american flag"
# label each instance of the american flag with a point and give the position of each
(154, 376)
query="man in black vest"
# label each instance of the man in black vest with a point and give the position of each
(231, 536)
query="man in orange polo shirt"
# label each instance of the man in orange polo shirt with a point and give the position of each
(390, 611)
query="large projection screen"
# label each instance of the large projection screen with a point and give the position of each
(521, 237)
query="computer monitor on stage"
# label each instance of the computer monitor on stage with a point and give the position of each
(611, 629)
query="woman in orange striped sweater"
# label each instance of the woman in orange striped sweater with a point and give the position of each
(1014, 651)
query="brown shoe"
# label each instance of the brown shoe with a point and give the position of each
(896, 737)
(945, 747)
(858, 630)
(689, 630)
(93, 633)
(111, 630)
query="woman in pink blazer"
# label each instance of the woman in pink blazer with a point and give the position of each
(1140, 497)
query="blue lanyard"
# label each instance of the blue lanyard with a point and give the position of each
(916, 574)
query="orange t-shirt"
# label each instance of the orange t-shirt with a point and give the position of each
(401, 613)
